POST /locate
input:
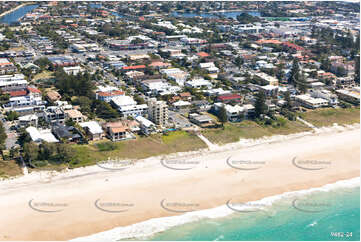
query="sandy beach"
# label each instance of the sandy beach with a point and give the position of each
(75, 204)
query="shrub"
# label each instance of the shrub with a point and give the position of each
(107, 146)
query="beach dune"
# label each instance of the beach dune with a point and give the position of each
(75, 206)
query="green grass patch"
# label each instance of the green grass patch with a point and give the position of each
(247, 129)
(329, 116)
(106, 146)
(9, 169)
(140, 148)
(43, 75)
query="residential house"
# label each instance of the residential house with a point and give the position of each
(236, 113)
(117, 131)
(28, 120)
(72, 70)
(74, 115)
(108, 95)
(54, 114)
(201, 120)
(68, 133)
(146, 126)
(199, 83)
(92, 129)
(309, 102)
(53, 96)
(325, 94)
(39, 136)
(229, 98)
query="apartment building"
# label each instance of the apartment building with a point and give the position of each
(128, 107)
(54, 114)
(351, 95)
(13, 82)
(158, 112)
(7, 66)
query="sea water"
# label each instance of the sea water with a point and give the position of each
(323, 215)
(330, 212)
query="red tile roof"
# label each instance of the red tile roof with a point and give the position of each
(229, 97)
(185, 94)
(268, 41)
(110, 94)
(203, 54)
(133, 67)
(293, 46)
(32, 89)
(18, 93)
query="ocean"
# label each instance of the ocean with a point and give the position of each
(331, 212)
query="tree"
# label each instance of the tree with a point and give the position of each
(11, 115)
(139, 99)
(302, 84)
(325, 64)
(341, 71)
(47, 150)
(288, 100)
(84, 103)
(222, 115)
(260, 105)
(31, 151)
(295, 72)
(65, 152)
(357, 69)
(43, 62)
(3, 136)
(245, 18)
(24, 137)
(105, 111)
(239, 61)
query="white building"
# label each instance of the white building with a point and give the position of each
(269, 79)
(159, 86)
(310, 102)
(13, 82)
(176, 75)
(39, 136)
(146, 126)
(128, 107)
(325, 94)
(351, 95)
(72, 70)
(25, 104)
(93, 129)
(27, 120)
(236, 113)
(199, 83)
(210, 67)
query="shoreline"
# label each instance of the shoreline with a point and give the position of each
(14, 9)
(339, 145)
(136, 231)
